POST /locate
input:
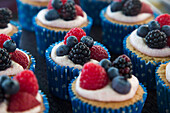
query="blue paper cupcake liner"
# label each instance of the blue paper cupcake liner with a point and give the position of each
(16, 36)
(163, 92)
(46, 37)
(59, 77)
(79, 106)
(93, 8)
(25, 13)
(113, 33)
(144, 71)
(45, 102)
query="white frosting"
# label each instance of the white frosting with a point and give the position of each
(6, 30)
(60, 22)
(64, 61)
(3, 107)
(138, 43)
(40, 0)
(107, 94)
(119, 16)
(168, 72)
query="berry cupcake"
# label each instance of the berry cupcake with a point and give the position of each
(93, 8)
(8, 27)
(21, 94)
(52, 24)
(65, 58)
(27, 9)
(103, 88)
(12, 59)
(147, 47)
(120, 18)
(163, 83)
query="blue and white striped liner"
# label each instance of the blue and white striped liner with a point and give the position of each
(45, 102)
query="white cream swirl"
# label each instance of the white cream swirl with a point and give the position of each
(60, 23)
(6, 30)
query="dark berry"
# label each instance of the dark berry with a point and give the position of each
(116, 6)
(62, 50)
(121, 85)
(57, 4)
(142, 31)
(2, 95)
(105, 63)
(112, 72)
(71, 41)
(10, 45)
(166, 30)
(87, 40)
(5, 17)
(52, 15)
(153, 25)
(79, 54)
(156, 39)
(10, 86)
(2, 78)
(124, 1)
(5, 60)
(132, 7)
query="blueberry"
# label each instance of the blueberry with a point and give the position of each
(116, 6)
(105, 63)
(166, 30)
(2, 78)
(52, 15)
(71, 41)
(57, 4)
(87, 40)
(9, 45)
(62, 50)
(142, 31)
(10, 86)
(112, 72)
(153, 25)
(121, 85)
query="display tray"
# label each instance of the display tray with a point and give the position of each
(28, 42)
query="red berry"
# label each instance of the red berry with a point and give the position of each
(77, 32)
(3, 38)
(93, 77)
(146, 8)
(79, 11)
(163, 19)
(64, 1)
(28, 82)
(168, 42)
(98, 53)
(20, 57)
(117, 0)
(49, 5)
(22, 101)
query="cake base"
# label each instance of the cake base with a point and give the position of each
(13, 31)
(35, 3)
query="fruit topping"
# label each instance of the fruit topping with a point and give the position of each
(143, 31)
(49, 6)
(163, 19)
(56, 4)
(79, 11)
(10, 45)
(52, 15)
(116, 6)
(5, 17)
(153, 25)
(5, 61)
(62, 50)
(105, 63)
(166, 30)
(2, 95)
(93, 77)
(87, 40)
(112, 72)
(3, 38)
(71, 41)
(146, 8)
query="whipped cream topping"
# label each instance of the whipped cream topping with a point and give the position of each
(138, 43)
(40, 0)
(60, 22)
(6, 30)
(3, 107)
(119, 16)
(107, 94)
(64, 60)
(168, 72)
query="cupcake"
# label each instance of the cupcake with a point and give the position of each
(21, 94)
(13, 60)
(121, 18)
(8, 27)
(147, 47)
(27, 9)
(65, 58)
(163, 83)
(103, 88)
(93, 8)
(52, 24)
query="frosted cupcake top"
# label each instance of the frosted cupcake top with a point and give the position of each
(168, 72)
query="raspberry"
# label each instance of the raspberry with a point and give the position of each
(77, 32)
(98, 53)
(79, 11)
(28, 82)
(168, 41)
(93, 77)
(49, 5)
(146, 8)
(163, 19)
(63, 1)
(3, 38)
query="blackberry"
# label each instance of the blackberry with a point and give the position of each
(5, 61)
(132, 7)
(5, 17)
(2, 95)
(79, 54)
(68, 11)
(124, 64)
(156, 39)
